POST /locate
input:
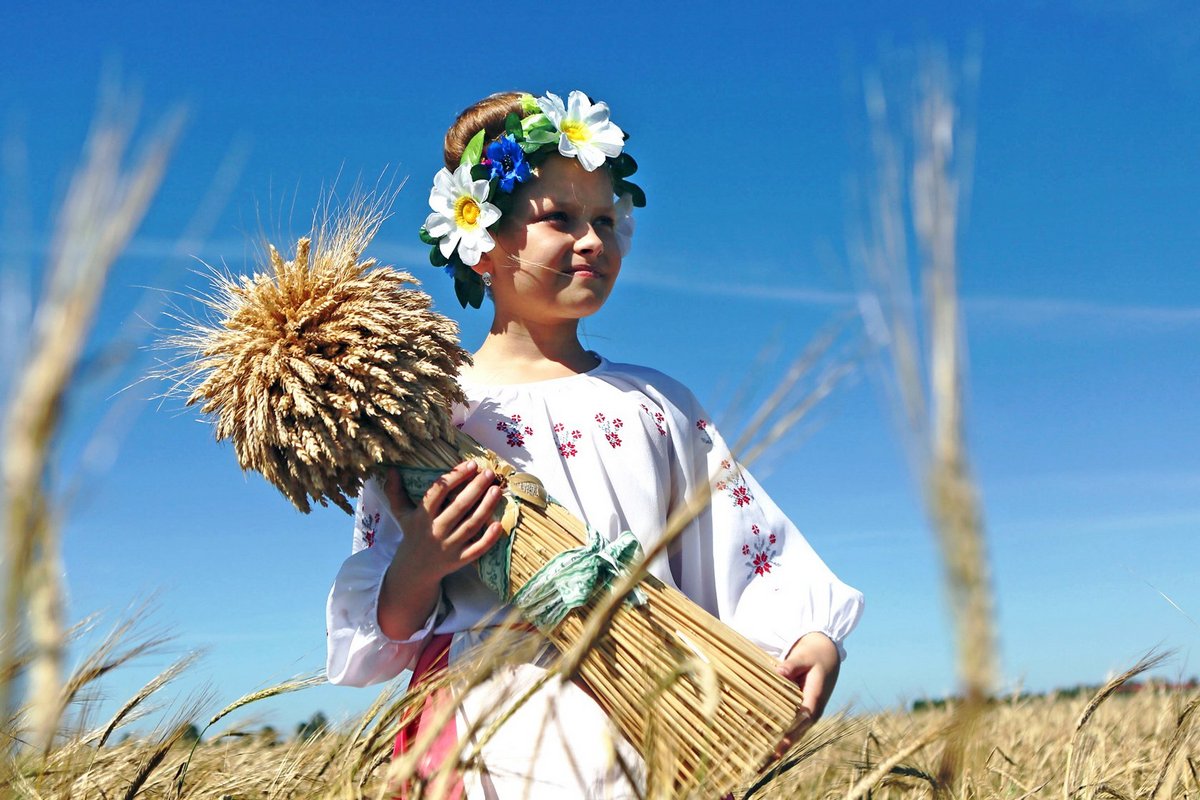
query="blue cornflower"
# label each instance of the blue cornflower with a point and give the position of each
(507, 162)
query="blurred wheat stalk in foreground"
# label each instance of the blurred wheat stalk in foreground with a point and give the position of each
(930, 169)
(103, 206)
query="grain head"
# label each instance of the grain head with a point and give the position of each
(323, 366)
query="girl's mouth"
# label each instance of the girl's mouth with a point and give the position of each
(584, 271)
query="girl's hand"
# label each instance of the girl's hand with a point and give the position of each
(446, 531)
(813, 665)
(450, 527)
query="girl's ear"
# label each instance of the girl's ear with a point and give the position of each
(484, 264)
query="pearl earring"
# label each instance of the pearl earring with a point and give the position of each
(487, 279)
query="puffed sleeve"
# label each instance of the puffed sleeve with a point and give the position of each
(358, 653)
(748, 562)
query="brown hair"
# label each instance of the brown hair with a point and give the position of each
(488, 114)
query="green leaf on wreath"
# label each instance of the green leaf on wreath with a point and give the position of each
(512, 126)
(636, 195)
(542, 136)
(476, 291)
(473, 153)
(460, 290)
(623, 165)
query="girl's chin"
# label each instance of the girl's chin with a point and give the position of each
(584, 296)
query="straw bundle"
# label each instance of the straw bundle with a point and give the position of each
(325, 369)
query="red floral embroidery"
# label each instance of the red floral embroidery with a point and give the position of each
(369, 524)
(657, 417)
(514, 433)
(765, 555)
(733, 483)
(702, 427)
(609, 427)
(566, 446)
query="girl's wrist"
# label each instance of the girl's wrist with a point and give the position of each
(407, 596)
(812, 637)
(411, 577)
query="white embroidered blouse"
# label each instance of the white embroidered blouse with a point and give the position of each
(620, 446)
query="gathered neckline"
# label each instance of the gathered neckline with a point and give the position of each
(602, 364)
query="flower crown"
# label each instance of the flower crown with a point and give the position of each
(468, 202)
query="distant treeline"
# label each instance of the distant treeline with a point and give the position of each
(1068, 693)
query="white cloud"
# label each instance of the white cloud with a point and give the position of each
(986, 309)
(1041, 310)
(1134, 524)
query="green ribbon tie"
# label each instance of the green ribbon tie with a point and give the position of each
(574, 576)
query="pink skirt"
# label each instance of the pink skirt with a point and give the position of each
(433, 661)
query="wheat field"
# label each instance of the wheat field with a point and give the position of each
(1124, 739)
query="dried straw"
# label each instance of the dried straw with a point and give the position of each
(322, 368)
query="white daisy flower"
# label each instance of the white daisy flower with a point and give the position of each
(584, 128)
(461, 214)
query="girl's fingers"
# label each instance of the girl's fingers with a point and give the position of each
(443, 486)
(814, 692)
(491, 535)
(464, 502)
(477, 516)
(800, 726)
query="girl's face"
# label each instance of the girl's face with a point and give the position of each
(556, 255)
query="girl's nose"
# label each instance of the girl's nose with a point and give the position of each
(589, 241)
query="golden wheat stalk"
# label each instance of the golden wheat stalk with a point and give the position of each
(103, 206)
(126, 712)
(931, 411)
(293, 685)
(1070, 777)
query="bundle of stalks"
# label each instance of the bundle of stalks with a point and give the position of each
(327, 367)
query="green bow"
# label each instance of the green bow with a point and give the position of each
(574, 576)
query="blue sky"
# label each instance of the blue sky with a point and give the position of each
(1079, 274)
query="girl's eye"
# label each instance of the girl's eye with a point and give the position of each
(606, 222)
(555, 216)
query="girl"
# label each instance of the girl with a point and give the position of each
(544, 221)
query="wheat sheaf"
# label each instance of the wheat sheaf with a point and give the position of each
(323, 367)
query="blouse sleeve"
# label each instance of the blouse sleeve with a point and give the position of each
(358, 653)
(748, 562)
